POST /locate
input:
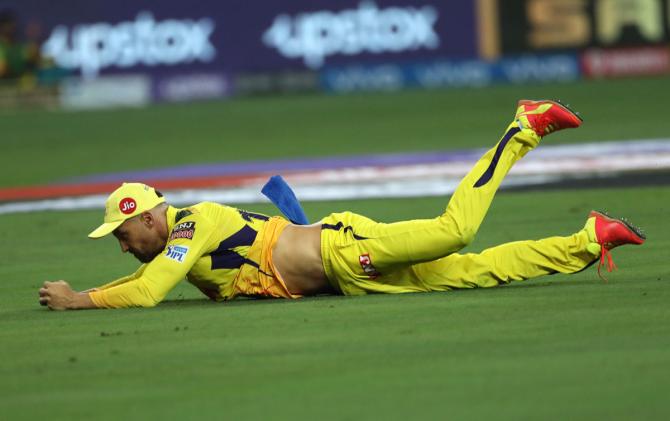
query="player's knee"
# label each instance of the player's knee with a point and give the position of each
(466, 236)
(462, 233)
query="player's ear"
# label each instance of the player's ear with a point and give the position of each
(147, 219)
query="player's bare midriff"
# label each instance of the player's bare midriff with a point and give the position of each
(297, 257)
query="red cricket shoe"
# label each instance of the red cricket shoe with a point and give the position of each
(546, 116)
(610, 233)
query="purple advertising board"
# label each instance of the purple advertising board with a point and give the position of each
(95, 38)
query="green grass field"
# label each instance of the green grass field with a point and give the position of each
(559, 347)
(41, 147)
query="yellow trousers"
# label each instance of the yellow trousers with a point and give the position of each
(363, 256)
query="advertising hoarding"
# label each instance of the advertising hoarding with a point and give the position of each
(521, 69)
(94, 38)
(550, 25)
(201, 50)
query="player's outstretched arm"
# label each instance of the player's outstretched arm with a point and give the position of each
(59, 295)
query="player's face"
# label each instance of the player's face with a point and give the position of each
(139, 238)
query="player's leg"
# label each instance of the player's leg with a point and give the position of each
(523, 260)
(516, 261)
(390, 246)
(471, 200)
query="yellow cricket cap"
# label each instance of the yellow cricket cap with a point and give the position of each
(129, 200)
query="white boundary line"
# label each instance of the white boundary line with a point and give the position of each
(552, 163)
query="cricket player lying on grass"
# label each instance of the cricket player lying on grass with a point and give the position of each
(226, 252)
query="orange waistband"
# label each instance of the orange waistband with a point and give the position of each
(264, 280)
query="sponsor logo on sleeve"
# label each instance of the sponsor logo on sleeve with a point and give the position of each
(183, 230)
(368, 267)
(176, 253)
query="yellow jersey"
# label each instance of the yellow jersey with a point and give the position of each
(223, 251)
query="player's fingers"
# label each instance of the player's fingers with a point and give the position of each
(43, 292)
(44, 301)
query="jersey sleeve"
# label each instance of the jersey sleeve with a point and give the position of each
(124, 279)
(190, 239)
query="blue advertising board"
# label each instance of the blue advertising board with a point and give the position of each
(444, 73)
(94, 38)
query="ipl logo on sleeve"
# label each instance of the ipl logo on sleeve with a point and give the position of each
(176, 253)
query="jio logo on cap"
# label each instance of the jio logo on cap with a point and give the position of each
(128, 205)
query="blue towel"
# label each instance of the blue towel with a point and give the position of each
(280, 193)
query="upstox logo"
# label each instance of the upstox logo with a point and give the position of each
(93, 47)
(367, 29)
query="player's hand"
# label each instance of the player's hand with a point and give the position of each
(57, 295)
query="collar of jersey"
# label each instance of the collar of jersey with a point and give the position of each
(171, 214)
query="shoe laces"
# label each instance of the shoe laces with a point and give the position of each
(605, 254)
